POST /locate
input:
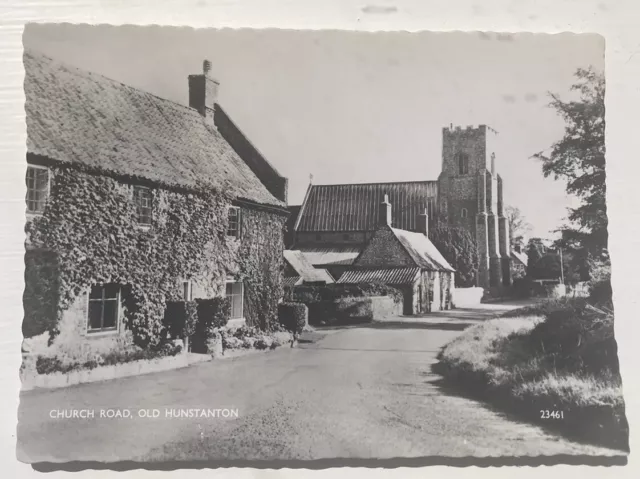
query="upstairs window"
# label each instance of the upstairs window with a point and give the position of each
(37, 189)
(187, 291)
(463, 163)
(234, 222)
(104, 307)
(143, 198)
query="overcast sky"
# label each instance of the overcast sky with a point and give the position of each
(354, 107)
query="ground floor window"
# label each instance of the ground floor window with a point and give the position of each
(235, 292)
(104, 307)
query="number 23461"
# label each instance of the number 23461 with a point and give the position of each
(546, 414)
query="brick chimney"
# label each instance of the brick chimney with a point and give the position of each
(384, 212)
(203, 91)
(423, 223)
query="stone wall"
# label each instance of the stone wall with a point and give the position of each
(385, 251)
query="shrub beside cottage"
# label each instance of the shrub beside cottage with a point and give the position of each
(134, 202)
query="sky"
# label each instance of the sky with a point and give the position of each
(358, 107)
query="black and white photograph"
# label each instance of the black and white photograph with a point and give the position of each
(316, 247)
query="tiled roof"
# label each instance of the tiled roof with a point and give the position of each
(422, 250)
(305, 269)
(81, 118)
(400, 276)
(338, 255)
(355, 207)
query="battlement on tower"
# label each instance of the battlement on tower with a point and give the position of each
(468, 129)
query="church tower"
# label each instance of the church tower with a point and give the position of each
(470, 196)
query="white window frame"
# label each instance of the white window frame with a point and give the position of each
(38, 167)
(232, 281)
(135, 201)
(102, 331)
(187, 290)
(238, 220)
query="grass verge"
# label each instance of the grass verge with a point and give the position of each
(558, 356)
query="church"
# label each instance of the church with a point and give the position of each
(335, 222)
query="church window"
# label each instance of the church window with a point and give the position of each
(464, 213)
(463, 163)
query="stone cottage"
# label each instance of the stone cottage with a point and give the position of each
(334, 222)
(406, 260)
(134, 200)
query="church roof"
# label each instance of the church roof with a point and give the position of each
(84, 119)
(422, 250)
(354, 207)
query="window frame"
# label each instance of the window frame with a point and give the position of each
(136, 197)
(31, 167)
(232, 281)
(462, 163)
(117, 299)
(187, 290)
(238, 222)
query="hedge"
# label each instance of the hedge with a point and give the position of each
(293, 316)
(212, 313)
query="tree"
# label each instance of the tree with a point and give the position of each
(579, 159)
(535, 251)
(459, 248)
(519, 228)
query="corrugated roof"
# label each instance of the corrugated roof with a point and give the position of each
(338, 255)
(290, 281)
(354, 207)
(400, 276)
(305, 269)
(82, 118)
(422, 250)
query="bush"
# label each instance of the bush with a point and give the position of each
(601, 292)
(293, 316)
(52, 364)
(312, 294)
(180, 318)
(212, 313)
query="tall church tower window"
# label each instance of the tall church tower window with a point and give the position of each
(463, 163)
(464, 213)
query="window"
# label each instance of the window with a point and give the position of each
(37, 188)
(104, 307)
(234, 222)
(235, 292)
(464, 213)
(187, 291)
(463, 163)
(144, 202)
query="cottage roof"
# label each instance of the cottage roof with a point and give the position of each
(354, 207)
(305, 269)
(85, 119)
(399, 276)
(523, 258)
(422, 250)
(334, 256)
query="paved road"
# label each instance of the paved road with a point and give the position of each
(362, 392)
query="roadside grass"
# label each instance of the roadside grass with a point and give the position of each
(557, 355)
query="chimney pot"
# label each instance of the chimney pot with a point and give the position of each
(384, 216)
(203, 91)
(423, 223)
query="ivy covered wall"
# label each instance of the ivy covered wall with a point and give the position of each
(90, 225)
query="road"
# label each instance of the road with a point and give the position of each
(358, 392)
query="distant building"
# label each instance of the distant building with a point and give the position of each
(406, 260)
(335, 222)
(298, 271)
(518, 263)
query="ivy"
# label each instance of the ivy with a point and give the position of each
(90, 224)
